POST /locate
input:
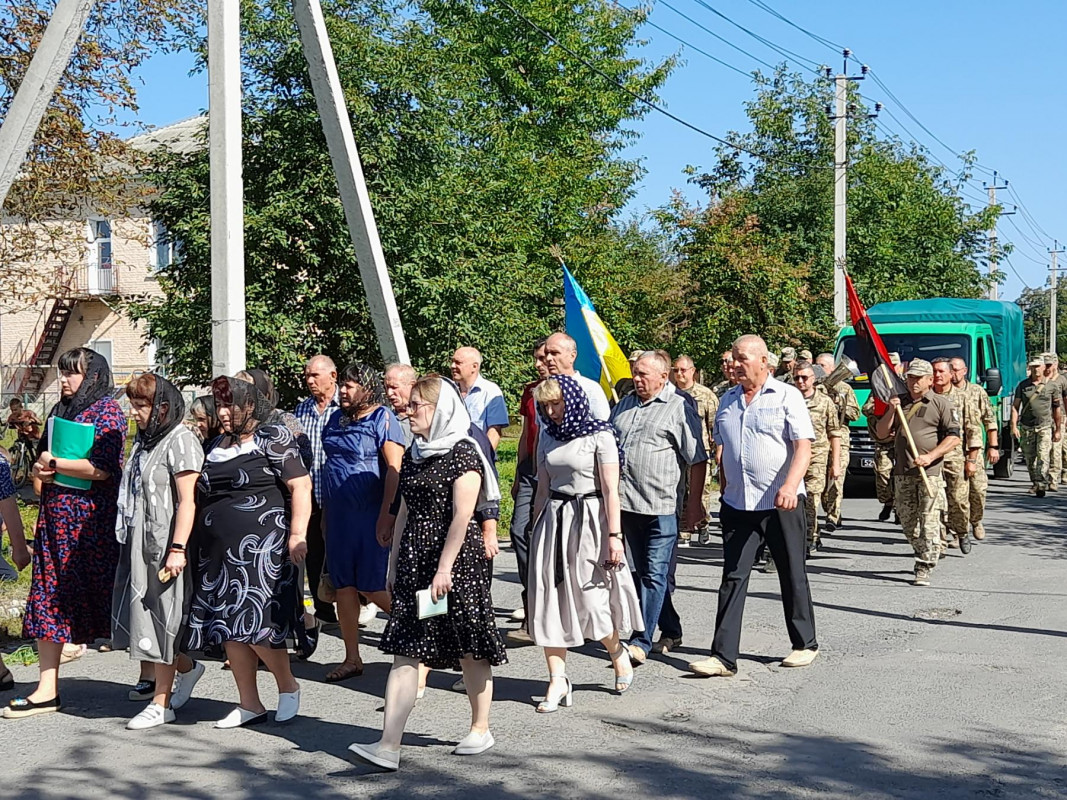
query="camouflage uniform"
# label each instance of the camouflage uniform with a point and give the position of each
(827, 426)
(957, 487)
(883, 458)
(931, 419)
(848, 410)
(707, 406)
(721, 388)
(1036, 402)
(1056, 454)
(979, 483)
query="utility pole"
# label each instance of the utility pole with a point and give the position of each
(39, 86)
(994, 255)
(1052, 321)
(840, 115)
(227, 187)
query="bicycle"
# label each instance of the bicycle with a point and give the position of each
(23, 453)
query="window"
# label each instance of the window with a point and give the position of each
(101, 279)
(104, 348)
(102, 243)
(980, 367)
(162, 248)
(927, 346)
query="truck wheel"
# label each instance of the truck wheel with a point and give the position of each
(1005, 468)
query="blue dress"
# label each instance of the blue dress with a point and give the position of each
(353, 481)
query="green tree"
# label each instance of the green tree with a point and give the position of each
(485, 148)
(1035, 306)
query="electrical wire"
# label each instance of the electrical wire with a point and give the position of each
(832, 45)
(815, 65)
(1037, 229)
(692, 46)
(717, 36)
(1007, 261)
(654, 106)
(1039, 247)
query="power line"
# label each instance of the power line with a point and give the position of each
(1007, 261)
(805, 31)
(1037, 229)
(690, 45)
(717, 36)
(654, 106)
(787, 54)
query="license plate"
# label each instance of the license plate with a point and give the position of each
(867, 463)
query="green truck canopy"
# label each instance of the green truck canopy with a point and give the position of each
(1005, 319)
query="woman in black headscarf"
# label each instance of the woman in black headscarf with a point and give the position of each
(75, 552)
(253, 505)
(157, 506)
(202, 413)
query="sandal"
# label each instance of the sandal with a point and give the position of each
(72, 652)
(622, 682)
(344, 671)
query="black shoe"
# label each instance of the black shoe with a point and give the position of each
(883, 515)
(21, 707)
(143, 690)
(309, 642)
(965, 544)
(829, 527)
(1040, 493)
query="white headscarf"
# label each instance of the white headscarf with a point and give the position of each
(449, 427)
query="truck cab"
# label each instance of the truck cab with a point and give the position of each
(986, 334)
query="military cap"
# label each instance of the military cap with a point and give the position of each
(805, 355)
(919, 367)
(1049, 358)
(1036, 361)
(789, 354)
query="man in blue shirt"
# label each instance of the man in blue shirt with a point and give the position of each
(483, 399)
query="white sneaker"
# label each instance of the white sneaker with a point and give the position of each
(184, 683)
(518, 615)
(474, 743)
(377, 755)
(367, 613)
(288, 706)
(153, 716)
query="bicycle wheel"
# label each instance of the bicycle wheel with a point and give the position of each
(21, 464)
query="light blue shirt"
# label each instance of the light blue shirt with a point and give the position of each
(485, 403)
(757, 442)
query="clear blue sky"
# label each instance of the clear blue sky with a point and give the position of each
(981, 75)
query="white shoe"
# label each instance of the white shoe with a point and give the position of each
(288, 706)
(367, 613)
(459, 686)
(152, 716)
(474, 743)
(240, 717)
(377, 755)
(518, 615)
(184, 683)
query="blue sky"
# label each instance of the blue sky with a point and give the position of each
(980, 75)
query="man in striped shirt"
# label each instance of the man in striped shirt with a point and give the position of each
(763, 436)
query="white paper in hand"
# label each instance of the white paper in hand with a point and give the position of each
(427, 607)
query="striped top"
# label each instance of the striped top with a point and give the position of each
(307, 412)
(661, 437)
(757, 442)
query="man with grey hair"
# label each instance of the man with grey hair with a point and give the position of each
(399, 380)
(483, 399)
(561, 351)
(763, 439)
(320, 376)
(660, 437)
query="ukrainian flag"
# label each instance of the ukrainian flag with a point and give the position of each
(599, 356)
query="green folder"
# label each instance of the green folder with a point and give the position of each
(72, 440)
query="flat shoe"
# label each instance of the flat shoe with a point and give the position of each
(288, 706)
(377, 755)
(637, 655)
(799, 658)
(474, 743)
(711, 668)
(152, 717)
(21, 707)
(240, 717)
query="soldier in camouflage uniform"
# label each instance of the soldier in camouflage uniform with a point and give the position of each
(825, 450)
(683, 376)
(884, 450)
(728, 380)
(978, 481)
(848, 410)
(956, 474)
(1057, 383)
(935, 429)
(783, 370)
(1035, 421)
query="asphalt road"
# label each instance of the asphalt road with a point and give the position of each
(951, 691)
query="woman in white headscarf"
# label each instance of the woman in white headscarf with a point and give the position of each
(443, 478)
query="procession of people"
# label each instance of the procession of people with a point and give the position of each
(381, 492)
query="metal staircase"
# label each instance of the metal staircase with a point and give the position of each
(44, 353)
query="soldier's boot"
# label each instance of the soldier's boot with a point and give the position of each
(979, 531)
(883, 515)
(922, 576)
(965, 543)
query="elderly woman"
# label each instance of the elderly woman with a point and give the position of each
(157, 506)
(579, 585)
(75, 552)
(253, 504)
(202, 412)
(364, 445)
(440, 549)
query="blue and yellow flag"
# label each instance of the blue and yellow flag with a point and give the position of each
(599, 356)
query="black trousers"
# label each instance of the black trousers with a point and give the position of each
(785, 533)
(315, 562)
(522, 520)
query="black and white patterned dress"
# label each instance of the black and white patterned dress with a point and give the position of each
(469, 627)
(246, 587)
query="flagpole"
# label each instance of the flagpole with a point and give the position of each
(907, 434)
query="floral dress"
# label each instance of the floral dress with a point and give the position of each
(469, 627)
(75, 552)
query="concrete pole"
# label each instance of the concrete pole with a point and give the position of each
(993, 293)
(840, 196)
(1053, 323)
(38, 87)
(350, 181)
(227, 195)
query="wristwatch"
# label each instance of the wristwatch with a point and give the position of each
(51, 463)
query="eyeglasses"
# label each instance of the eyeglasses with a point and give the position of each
(804, 378)
(414, 406)
(726, 361)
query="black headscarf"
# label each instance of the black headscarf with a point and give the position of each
(370, 380)
(96, 386)
(168, 411)
(208, 402)
(261, 380)
(248, 407)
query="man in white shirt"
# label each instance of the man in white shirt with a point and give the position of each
(763, 436)
(561, 351)
(483, 399)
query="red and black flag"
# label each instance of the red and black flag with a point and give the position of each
(873, 357)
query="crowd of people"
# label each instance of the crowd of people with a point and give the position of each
(380, 491)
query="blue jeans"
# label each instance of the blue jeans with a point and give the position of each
(650, 540)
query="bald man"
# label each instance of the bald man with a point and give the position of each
(561, 351)
(483, 398)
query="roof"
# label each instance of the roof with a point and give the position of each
(184, 137)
